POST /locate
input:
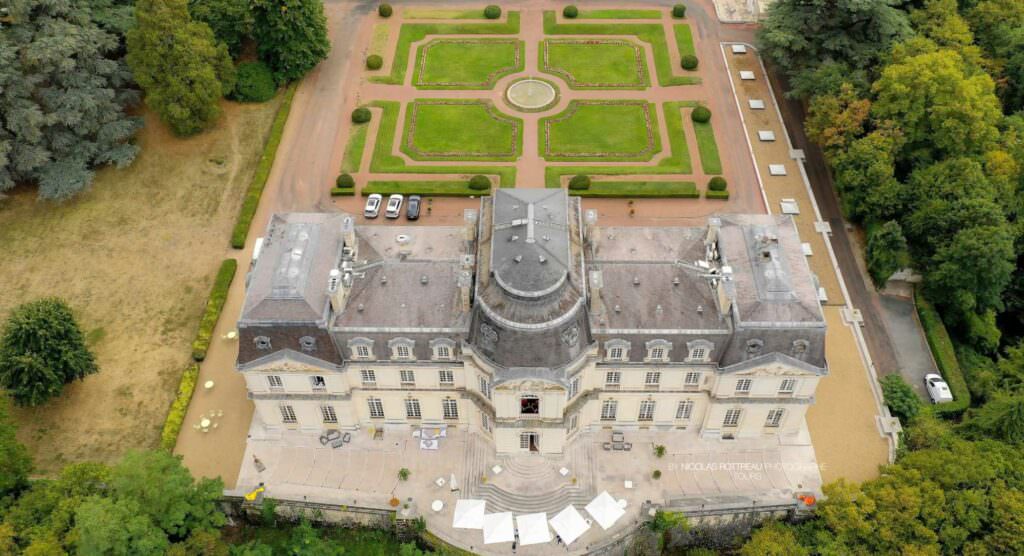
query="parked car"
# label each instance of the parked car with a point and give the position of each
(412, 212)
(937, 388)
(394, 207)
(372, 205)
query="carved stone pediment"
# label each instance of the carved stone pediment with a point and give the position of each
(528, 385)
(775, 369)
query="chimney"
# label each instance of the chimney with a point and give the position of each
(590, 230)
(469, 218)
(596, 283)
(348, 235)
(338, 289)
(711, 240)
(465, 283)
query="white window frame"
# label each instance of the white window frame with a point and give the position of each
(485, 421)
(361, 349)
(616, 350)
(743, 386)
(329, 415)
(442, 349)
(524, 440)
(412, 409)
(646, 413)
(288, 415)
(574, 422)
(658, 351)
(787, 386)
(691, 384)
(402, 349)
(574, 387)
(652, 379)
(732, 418)
(368, 376)
(609, 410)
(485, 386)
(275, 382)
(450, 408)
(699, 351)
(613, 378)
(376, 407)
(684, 411)
(774, 418)
(446, 376)
(407, 377)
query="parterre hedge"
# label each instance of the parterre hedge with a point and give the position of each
(374, 62)
(717, 183)
(361, 115)
(214, 304)
(345, 181)
(570, 12)
(679, 10)
(721, 195)
(945, 358)
(176, 415)
(492, 12)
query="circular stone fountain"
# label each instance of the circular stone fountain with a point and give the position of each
(531, 95)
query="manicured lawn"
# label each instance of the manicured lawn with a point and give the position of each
(601, 130)
(466, 63)
(709, 160)
(639, 189)
(684, 39)
(442, 13)
(354, 149)
(383, 162)
(590, 64)
(619, 14)
(647, 32)
(460, 130)
(414, 32)
(379, 41)
(448, 188)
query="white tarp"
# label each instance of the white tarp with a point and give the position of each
(469, 514)
(453, 484)
(605, 510)
(498, 528)
(569, 525)
(533, 528)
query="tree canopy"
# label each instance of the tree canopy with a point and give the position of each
(15, 462)
(291, 34)
(230, 20)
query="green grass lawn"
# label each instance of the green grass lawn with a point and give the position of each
(439, 188)
(601, 130)
(639, 189)
(684, 39)
(709, 160)
(647, 32)
(586, 64)
(354, 149)
(466, 63)
(383, 162)
(619, 14)
(460, 130)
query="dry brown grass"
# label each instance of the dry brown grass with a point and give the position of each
(134, 257)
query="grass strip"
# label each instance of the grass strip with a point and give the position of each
(647, 32)
(684, 40)
(708, 148)
(945, 358)
(383, 162)
(723, 195)
(640, 189)
(353, 158)
(678, 162)
(379, 40)
(441, 188)
(176, 414)
(413, 32)
(218, 295)
(619, 14)
(259, 179)
(442, 13)
(342, 192)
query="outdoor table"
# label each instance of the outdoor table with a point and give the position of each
(628, 484)
(439, 482)
(437, 505)
(563, 471)
(208, 385)
(204, 422)
(618, 437)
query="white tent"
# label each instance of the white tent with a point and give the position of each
(533, 528)
(453, 484)
(569, 525)
(499, 528)
(469, 514)
(605, 510)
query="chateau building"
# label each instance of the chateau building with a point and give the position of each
(531, 323)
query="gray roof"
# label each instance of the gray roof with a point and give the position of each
(529, 241)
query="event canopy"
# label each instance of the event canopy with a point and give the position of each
(498, 528)
(533, 528)
(569, 524)
(469, 514)
(605, 510)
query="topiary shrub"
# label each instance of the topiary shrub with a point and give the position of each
(579, 182)
(374, 62)
(689, 62)
(254, 83)
(717, 183)
(571, 12)
(361, 115)
(385, 10)
(701, 115)
(492, 12)
(480, 183)
(656, 475)
(679, 10)
(345, 181)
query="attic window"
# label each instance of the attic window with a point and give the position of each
(754, 347)
(307, 343)
(800, 348)
(262, 342)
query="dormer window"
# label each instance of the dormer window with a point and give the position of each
(616, 350)
(361, 348)
(307, 344)
(442, 349)
(800, 347)
(754, 348)
(262, 342)
(699, 351)
(658, 351)
(401, 348)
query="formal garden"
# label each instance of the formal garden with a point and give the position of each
(521, 98)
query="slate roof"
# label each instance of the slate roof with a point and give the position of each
(529, 240)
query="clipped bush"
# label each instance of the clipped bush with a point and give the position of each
(345, 181)
(479, 183)
(570, 12)
(717, 183)
(385, 10)
(657, 474)
(579, 182)
(492, 12)
(214, 304)
(679, 10)
(374, 62)
(254, 83)
(361, 115)
(701, 114)
(689, 62)
(900, 398)
(176, 416)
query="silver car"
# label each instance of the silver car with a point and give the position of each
(372, 205)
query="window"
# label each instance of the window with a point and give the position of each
(403, 352)
(732, 418)
(699, 351)
(743, 386)
(485, 421)
(275, 382)
(774, 417)
(450, 408)
(328, 414)
(401, 348)
(698, 354)
(613, 378)
(443, 349)
(485, 387)
(616, 353)
(288, 415)
(407, 377)
(608, 410)
(616, 350)
(412, 408)
(529, 405)
(318, 383)
(524, 441)
(574, 387)
(262, 342)
(443, 352)
(574, 422)
(368, 376)
(658, 350)
(307, 344)
(684, 410)
(692, 381)
(657, 354)
(445, 376)
(376, 408)
(653, 378)
(787, 386)
(646, 411)
(361, 352)
(754, 347)
(362, 348)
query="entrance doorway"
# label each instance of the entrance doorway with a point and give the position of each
(529, 441)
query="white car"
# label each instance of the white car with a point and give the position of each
(938, 390)
(394, 208)
(372, 205)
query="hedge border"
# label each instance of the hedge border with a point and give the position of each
(214, 305)
(179, 407)
(639, 190)
(440, 188)
(259, 179)
(720, 195)
(342, 191)
(945, 358)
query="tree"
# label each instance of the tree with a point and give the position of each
(63, 96)
(230, 20)
(773, 539)
(1001, 418)
(178, 64)
(939, 21)
(15, 462)
(835, 120)
(900, 398)
(865, 177)
(292, 35)
(117, 527)
(970, 273)
(41, 350)
(886, 251)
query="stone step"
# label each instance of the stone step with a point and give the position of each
(499, 500)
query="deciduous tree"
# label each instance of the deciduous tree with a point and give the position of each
(291, 34)
(118, 527)
(230, 20)
(835, 120)
(886, 251)
(15, 462)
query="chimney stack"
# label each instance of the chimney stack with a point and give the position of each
(596, 283)
(465, 283)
